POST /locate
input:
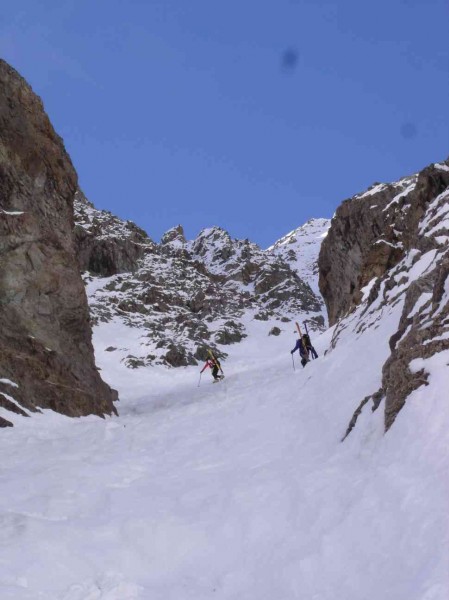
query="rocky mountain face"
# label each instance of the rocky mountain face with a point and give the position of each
(105, 245)
(187, 296)
(46, 354)
(387, 251)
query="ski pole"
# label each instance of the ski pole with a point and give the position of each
(199, 381)
(293, 360)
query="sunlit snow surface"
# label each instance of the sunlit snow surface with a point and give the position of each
(240, 490)
(301, 247)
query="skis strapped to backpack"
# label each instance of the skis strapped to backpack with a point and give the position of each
(311, 349)
(215, 360)
(301, 337)
(299, 330)
(309, 343)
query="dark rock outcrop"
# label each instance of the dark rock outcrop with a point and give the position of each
(274, 331)
(104, 244)
(378, 238)
(46, 354)
(361, 243)
(370, 233)
(419, 336)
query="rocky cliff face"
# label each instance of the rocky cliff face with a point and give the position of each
(387, 252)
(366, 239)
(46, 354)
(185, 296)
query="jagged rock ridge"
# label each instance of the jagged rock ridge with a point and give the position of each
(186, 296)
(46, 354)
(106, 245)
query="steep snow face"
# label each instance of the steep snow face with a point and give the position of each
(402, 261)
(300, 249)
(187, 296)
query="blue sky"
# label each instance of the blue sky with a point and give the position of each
(254, 115)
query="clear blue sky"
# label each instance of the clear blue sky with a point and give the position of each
(254, 115)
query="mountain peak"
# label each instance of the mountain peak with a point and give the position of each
(175, 234)
(300, 249)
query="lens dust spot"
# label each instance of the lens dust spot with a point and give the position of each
(289, 59)
(408, 131)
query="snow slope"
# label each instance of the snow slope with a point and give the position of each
(300, 249)
(239, 490)
(244, 490)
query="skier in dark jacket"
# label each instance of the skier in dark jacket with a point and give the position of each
(302, 352)
(309, 347)
(214, 365)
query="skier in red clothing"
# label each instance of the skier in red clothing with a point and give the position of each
(214, 364)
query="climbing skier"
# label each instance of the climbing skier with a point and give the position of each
(308, 345)
(213, 363)
(302, 352)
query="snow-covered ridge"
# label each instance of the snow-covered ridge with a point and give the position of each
(102, 223)
(401, 185)
(301, 247)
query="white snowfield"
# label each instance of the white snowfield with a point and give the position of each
(242, 490)
(237, 491)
